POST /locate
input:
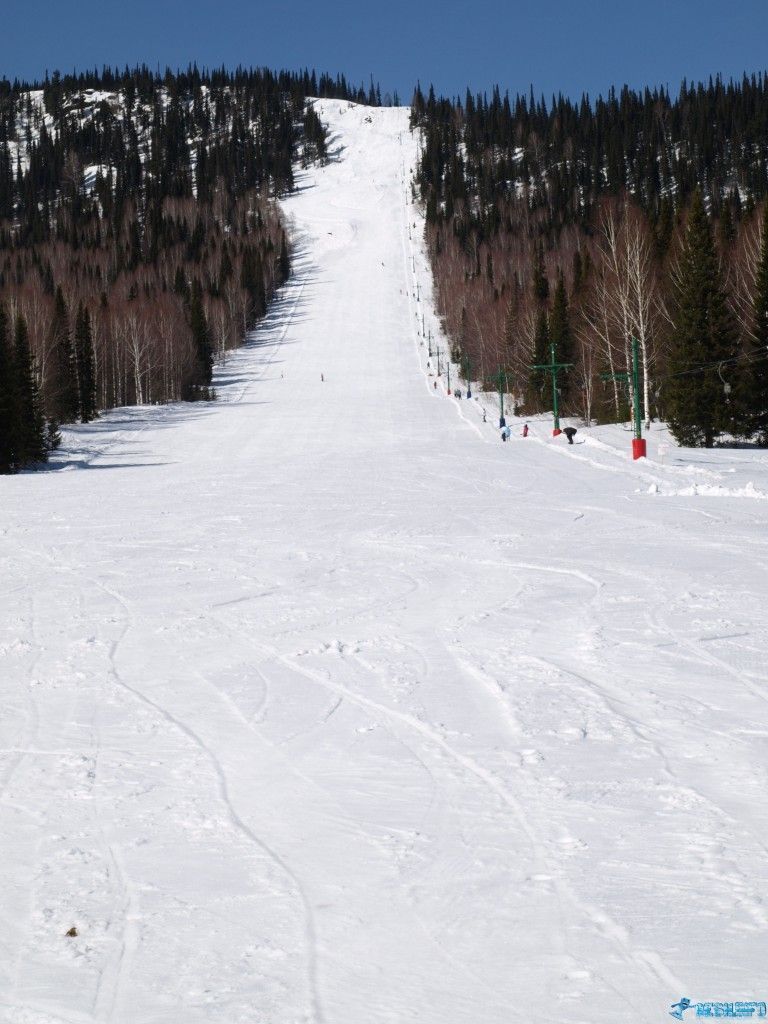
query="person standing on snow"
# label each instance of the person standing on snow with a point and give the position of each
(505, 432)
(525, 430)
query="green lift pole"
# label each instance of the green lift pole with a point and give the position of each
(636, 387)
(638, 442)
(553, 369)
(501, 379)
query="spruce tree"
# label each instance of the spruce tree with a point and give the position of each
(578, 272)
(540, 283)
(541, 355)
(285, 259)
(560, 325)
(7, 396)
(180, 285)
(252, 281)
(510, 323)
(726, 230)
(65, 402)
(86, 368)
(754, 381)
(703, 339)
(29, 433)
(201, 339)
(52, 436)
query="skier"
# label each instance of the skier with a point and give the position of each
(525, 430)
(458, 394)
(434, 384)
(484, 416)
(505, 432)
(322, 378)
(569, 432)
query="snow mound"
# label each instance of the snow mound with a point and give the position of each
(711, 491)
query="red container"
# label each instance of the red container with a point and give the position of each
(556, 431)
(638, 448)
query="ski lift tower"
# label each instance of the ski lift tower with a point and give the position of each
(638, 441)
(553, 369)
(500, 379)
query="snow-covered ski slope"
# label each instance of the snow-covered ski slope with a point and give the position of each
(322, 706)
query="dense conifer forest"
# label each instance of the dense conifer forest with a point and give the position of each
(565, 228)
(140, 240)
(139, 237)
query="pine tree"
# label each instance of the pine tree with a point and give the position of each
(285, 260)
(578, 272)
(560, 325)
(201, 339)
(65, 403)
(29, 430)
(52, 436)
(541, 355)
(753, 392)
(180, 286)
(252, 281)
(86, 368)
(510, 322)
(540, 282)
(726, 231)
(7, 396)
(703, 338)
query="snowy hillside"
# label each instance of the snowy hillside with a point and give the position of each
(322, 705)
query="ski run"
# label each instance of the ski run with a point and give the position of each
(323, 706)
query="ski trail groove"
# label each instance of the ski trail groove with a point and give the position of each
(600, 921)
(235, 818)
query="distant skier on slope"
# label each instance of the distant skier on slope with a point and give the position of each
(569, 433)
(525, 430)
(505, 433)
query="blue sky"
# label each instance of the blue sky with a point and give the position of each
(555, 45)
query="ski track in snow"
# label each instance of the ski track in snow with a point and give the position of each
(322, 706)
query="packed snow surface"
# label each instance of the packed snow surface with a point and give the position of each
(323, 706)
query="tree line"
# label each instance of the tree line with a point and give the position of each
(565, 229)
(139, 234)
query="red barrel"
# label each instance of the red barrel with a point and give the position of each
(638, 448)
